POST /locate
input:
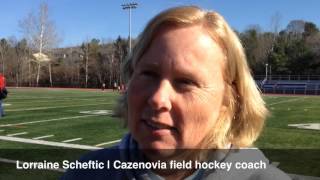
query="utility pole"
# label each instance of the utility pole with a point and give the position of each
(129, 6)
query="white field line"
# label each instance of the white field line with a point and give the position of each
(17, 134)
(312, 107)
(48, 143)
(47, 120)
(289, 100)
(29, 97)
(71, 140)
(46, 97)
(39, 97)
(57, 100)
(53, 107)
(1, 130)
(42, 137)
(110, 142)
(21, 162)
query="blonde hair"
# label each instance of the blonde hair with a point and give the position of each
(243, 120)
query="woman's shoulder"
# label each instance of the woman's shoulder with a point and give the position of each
(260, 169)
(271, 173)
(247, 164)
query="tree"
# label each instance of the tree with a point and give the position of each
(120, 53)
(271, 38)
(295, 29)
(95, 64)
(300, 57)
(92, 65)
(275, 23)
(85, 56)
(250, 42)
(4, 46)
(22, 52)
(310, 29)
(257, 47)
(278, 57)
(312, 41)
(40, 32)
(296, 26)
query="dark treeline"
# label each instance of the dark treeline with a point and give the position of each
(88, 65)
(294, 50)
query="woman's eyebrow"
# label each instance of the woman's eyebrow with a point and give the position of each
(149, 64)
(189, 74)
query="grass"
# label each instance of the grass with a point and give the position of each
(297, 150)
(25, 105)
(279, 141)
(57, 104)
(291, 110)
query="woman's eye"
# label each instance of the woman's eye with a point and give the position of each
(185, 82)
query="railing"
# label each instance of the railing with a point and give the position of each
(311, 87)
(288, 77)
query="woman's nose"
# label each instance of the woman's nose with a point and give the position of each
(160, 99)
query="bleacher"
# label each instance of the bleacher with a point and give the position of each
(308, 87)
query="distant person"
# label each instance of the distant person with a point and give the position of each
(103, 86)
(3, 93)
(115, 86)
(123, 87)
(189, 89)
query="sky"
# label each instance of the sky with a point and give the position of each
(77, 21)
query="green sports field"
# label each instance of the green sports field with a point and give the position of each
(58, 124)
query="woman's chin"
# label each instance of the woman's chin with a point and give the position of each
(157, 145)
(158, 150)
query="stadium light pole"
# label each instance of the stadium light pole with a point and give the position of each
(267, 71)
(270, 72)
(129, 6)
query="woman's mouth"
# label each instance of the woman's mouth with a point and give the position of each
(156, 126)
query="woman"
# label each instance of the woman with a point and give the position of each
(189, 87)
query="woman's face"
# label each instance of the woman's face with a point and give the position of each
(177, 89)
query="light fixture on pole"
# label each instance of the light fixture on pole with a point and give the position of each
(129, 6)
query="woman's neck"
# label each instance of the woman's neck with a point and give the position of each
(169, 174)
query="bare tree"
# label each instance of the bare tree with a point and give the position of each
(275, 23)
(85, 50)
(296, 26)
(22, 53)
(120, 53)
(40, 33)
(4, 46)
(275, 28)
